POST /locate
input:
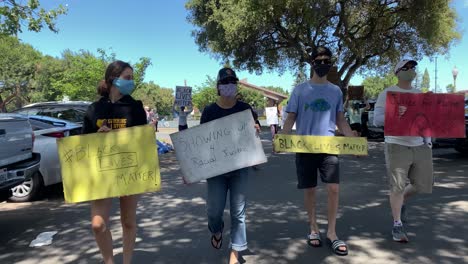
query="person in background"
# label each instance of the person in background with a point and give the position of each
(354, 110)
(116, 109)
(407, 158)
(234, 182)
(183, 114)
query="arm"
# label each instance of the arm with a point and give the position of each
(174, 108)
(189, 109)
(289, 123)
(367, 106)
(379, 110)
(87, 123)
(343, 125)
(345, 105)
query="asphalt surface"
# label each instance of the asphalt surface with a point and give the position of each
(173, 225)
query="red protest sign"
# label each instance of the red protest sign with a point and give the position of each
(427, 114)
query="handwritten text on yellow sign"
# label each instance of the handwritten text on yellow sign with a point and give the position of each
(102, 165)
(321, 144)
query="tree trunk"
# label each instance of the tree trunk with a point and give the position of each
(18, 103)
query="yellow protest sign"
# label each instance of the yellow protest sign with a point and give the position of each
(102, 165)
(321, 144)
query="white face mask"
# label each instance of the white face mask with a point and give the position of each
(227, 90)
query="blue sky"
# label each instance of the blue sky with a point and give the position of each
(159, 30)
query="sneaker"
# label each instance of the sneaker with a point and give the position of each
(399, 234)
(403, 216)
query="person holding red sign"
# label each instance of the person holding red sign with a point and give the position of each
(407, 157)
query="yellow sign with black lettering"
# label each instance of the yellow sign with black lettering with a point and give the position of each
(102, 165)
(321, 144)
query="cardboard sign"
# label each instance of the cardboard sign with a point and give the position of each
(271, 115)
(217, 147)
(183, 96)
(321, 144)
(113, 164)
(427, 114)
(355, 92)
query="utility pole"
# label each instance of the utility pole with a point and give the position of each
(185, 83)
(435, 79)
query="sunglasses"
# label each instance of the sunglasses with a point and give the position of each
(406, 68)
(323, 61)
(228, 81)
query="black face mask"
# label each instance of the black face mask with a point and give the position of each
(322, 69)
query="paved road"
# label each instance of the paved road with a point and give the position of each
(172, 223)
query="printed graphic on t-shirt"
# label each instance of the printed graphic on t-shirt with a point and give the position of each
(113, 123)
(319, 105)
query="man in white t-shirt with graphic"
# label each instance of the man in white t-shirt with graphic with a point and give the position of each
(407, 158)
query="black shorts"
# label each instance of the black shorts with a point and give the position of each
(182, 127)
(356, 127)
(309, 164)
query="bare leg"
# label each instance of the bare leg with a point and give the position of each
(409, 191)
(333, 190)
(100, 210)
(234, 257)
(128, 205)
(396, 201)
(309, 201)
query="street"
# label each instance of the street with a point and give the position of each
(173, 224)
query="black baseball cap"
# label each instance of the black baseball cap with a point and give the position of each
(226, 74)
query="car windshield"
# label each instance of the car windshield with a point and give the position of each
(73, 114)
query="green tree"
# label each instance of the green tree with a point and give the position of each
(153, 95)
(49, 71)
(365, 35)
(139, 71)
(18, 63)
(254, 98)
(205, 94)
(83, 71)
(14, 14)
(450, 88)
(374, 85)
(426, 82)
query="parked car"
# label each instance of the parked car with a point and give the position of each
(73, 111)
(17, 160)
(459, 144)
(46, 131)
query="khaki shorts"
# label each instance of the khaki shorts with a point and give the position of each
(409, 163)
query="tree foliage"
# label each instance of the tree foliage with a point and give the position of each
(154, 96)
(279, 35)
(27, 76)
(17, 70)
(450, 88)
(374, 85)
(14, 14)
(426, 82)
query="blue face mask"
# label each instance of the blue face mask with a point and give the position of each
(125, 87)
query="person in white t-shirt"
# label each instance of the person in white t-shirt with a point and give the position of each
(407, 158)
(183, 113)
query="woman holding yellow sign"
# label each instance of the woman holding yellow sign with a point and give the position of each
(115, 109)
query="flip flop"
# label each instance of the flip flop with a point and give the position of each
(218, 242)
(335, 246)
(314, 237)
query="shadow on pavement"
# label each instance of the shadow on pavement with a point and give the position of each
(173, 224)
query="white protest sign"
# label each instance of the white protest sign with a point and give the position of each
(183, 96)
(217, 147)
(271, 115)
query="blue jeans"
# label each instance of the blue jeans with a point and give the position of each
(236, 183)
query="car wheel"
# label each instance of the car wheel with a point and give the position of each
(29, 190)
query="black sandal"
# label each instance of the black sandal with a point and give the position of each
(218, 242)
(313, 238)
(335, 246)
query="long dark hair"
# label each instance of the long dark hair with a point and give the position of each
(113, 71)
